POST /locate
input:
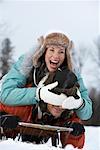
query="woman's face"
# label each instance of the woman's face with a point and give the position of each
(54, 57)
(56, 111)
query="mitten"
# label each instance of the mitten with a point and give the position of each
(78, 128)
(44, 93)
(72, 103)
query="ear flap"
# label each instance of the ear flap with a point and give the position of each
(38, 52)
(68, 55)
(40, 40)
(70, 45)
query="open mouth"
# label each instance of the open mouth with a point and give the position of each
(54, 63)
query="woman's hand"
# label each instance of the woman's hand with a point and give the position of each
(72, 103)
(43, 92)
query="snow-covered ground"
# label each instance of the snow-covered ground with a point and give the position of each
(92, 142)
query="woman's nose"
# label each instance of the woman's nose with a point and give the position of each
(56, 55)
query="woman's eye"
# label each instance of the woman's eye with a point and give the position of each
(62, 52)
(51, 50)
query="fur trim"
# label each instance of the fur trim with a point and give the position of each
(27, 63)
(38, 52)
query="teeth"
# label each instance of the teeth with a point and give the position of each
(56, 62)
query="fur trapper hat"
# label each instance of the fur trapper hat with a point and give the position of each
(54, 39)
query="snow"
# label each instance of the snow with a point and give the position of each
(92, 142)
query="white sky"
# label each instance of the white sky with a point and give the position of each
(27, 20)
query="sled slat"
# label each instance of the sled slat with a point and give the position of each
(45, 127)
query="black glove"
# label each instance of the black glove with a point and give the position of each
(9, 121)
(78, 128)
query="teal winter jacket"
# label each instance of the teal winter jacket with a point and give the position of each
(14, 92)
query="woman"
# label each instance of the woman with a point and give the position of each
(24, 83)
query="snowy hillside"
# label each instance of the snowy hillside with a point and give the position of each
(92, 142)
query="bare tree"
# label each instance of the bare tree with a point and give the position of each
(95, 119)
(97, 44)
(95, 92)
(3, 31)
(95, 56)
(5, 56)
(83, 55)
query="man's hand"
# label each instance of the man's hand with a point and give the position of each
(72, 103)
(78, 128)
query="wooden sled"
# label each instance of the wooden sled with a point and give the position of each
(43, 130)
(38, 130)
